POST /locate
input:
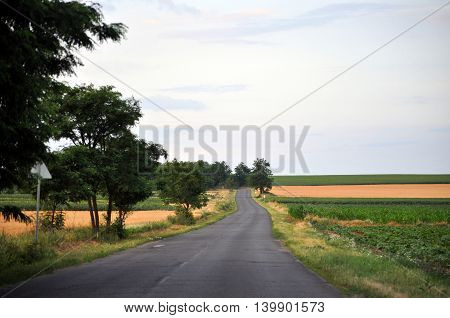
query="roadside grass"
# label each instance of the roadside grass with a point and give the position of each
(355, 270)
(28, 202)
(361, 179)
(20, 258)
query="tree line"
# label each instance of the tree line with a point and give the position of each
(102, 157)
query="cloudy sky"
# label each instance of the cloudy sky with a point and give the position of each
(244, 62)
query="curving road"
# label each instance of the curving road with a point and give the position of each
(235, 257)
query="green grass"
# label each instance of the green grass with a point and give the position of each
(28, 202)
(375, 201)
(404, 214)
(20, 258)
(368, 269)
(361, 179)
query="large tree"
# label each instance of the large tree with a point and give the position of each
(38, 40)
(261, 176)
(93, 118)
(183, 184)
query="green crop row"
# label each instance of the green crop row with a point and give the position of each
(26, 202)
(404, 214)
(427, 246)
(374, 201)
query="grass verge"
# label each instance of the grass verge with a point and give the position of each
(21, 259)
(355, 271)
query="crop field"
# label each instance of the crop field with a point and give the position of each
(76, 219)
(79, 219)
(403, 214)
(414, 232)
(361, 179)
(366, 191)
(365, 201)
(427, 246)
(28, 202)
(404, 219)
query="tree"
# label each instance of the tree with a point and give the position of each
(261, 176)
(93, 118)
(241, 173)
(128, 166)
(219, 172)
(183, 184)
(33, 54)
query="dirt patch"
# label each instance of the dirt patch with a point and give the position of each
(366, 191)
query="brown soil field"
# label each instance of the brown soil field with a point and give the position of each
(366, 191)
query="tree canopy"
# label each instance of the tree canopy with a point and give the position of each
(261, 175)
(39, 40)
(183, 184)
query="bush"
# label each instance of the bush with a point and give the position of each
(181, 217)
(118, 228)
(52, 221)
(225, 206)
(298, 211)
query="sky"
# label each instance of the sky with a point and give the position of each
(214, 65)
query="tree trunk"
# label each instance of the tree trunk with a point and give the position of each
(91, 212)
(53, 214)
(109, 212)
(97, 218)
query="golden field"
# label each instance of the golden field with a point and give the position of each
(366, 191)
(83, 219)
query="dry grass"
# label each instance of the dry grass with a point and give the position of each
(366, 191)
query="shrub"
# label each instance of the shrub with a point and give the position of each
(182, 217)
(225, 206)
(53, 221)
(118, 227)
(298, 211)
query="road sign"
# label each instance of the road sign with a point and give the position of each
(41, 171)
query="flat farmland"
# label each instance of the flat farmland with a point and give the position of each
(361, 179)
(78, 219)
(366, 191)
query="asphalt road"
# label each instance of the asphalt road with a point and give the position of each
(235, 257)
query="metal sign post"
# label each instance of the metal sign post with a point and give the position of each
(41, 172)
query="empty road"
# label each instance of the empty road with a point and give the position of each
(235, 257)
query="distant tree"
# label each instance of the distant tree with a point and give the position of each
(261, 176)
(219, 172)
(34, 53)
(241, 173)
(183, 184)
